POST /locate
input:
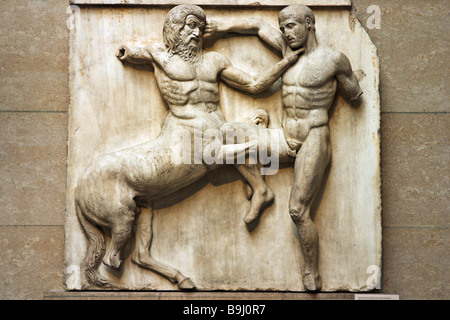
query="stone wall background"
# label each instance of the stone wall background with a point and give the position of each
(413, 45)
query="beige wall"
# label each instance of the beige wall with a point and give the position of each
(413, 48)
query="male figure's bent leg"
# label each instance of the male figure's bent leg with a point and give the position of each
(310, 164)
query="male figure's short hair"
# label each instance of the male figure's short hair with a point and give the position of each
(175, 21)
(298, 12)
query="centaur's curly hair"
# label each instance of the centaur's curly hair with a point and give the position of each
(175, 21)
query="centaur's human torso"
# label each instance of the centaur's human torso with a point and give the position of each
(190, 90)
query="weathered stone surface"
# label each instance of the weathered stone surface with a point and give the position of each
(416, 184)
(415, 262)
(33, 153)
(200, 230)
(413, 48)
(30, 261)
(266, 3)
(33, 67)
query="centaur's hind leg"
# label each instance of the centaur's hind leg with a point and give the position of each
(121, 228)
(142, 257)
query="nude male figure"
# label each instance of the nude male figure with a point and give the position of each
(112, 191)
(308, 90)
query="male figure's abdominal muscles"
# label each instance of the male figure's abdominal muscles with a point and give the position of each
(298, 97)
(297, 123)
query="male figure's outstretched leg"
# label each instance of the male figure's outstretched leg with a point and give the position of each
(310, 165)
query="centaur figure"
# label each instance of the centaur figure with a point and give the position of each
(109, 192)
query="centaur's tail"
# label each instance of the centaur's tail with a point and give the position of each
(95, 251)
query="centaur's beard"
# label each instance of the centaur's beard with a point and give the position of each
(189, 50)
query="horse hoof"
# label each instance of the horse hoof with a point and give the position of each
(112, 262)
(186, 284)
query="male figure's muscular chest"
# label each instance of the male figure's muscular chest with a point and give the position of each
(310, 72)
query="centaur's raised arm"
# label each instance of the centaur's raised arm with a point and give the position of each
(272, 36)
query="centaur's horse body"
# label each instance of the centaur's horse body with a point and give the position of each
(114, 188)
(108, 194)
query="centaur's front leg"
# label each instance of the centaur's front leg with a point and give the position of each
(249, 141)
(142, 256)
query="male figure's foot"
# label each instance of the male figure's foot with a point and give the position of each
(311, 282)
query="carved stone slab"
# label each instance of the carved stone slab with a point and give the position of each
(200, 229)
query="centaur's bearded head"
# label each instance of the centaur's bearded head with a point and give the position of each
(183, 31)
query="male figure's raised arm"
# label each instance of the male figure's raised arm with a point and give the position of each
(134, 55)
(272, 36)
(255, 84)
(347, 80)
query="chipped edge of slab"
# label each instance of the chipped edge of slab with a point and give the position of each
(379, 177)
(253, 3)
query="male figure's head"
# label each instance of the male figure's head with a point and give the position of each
(183, 31)
(297, 23)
